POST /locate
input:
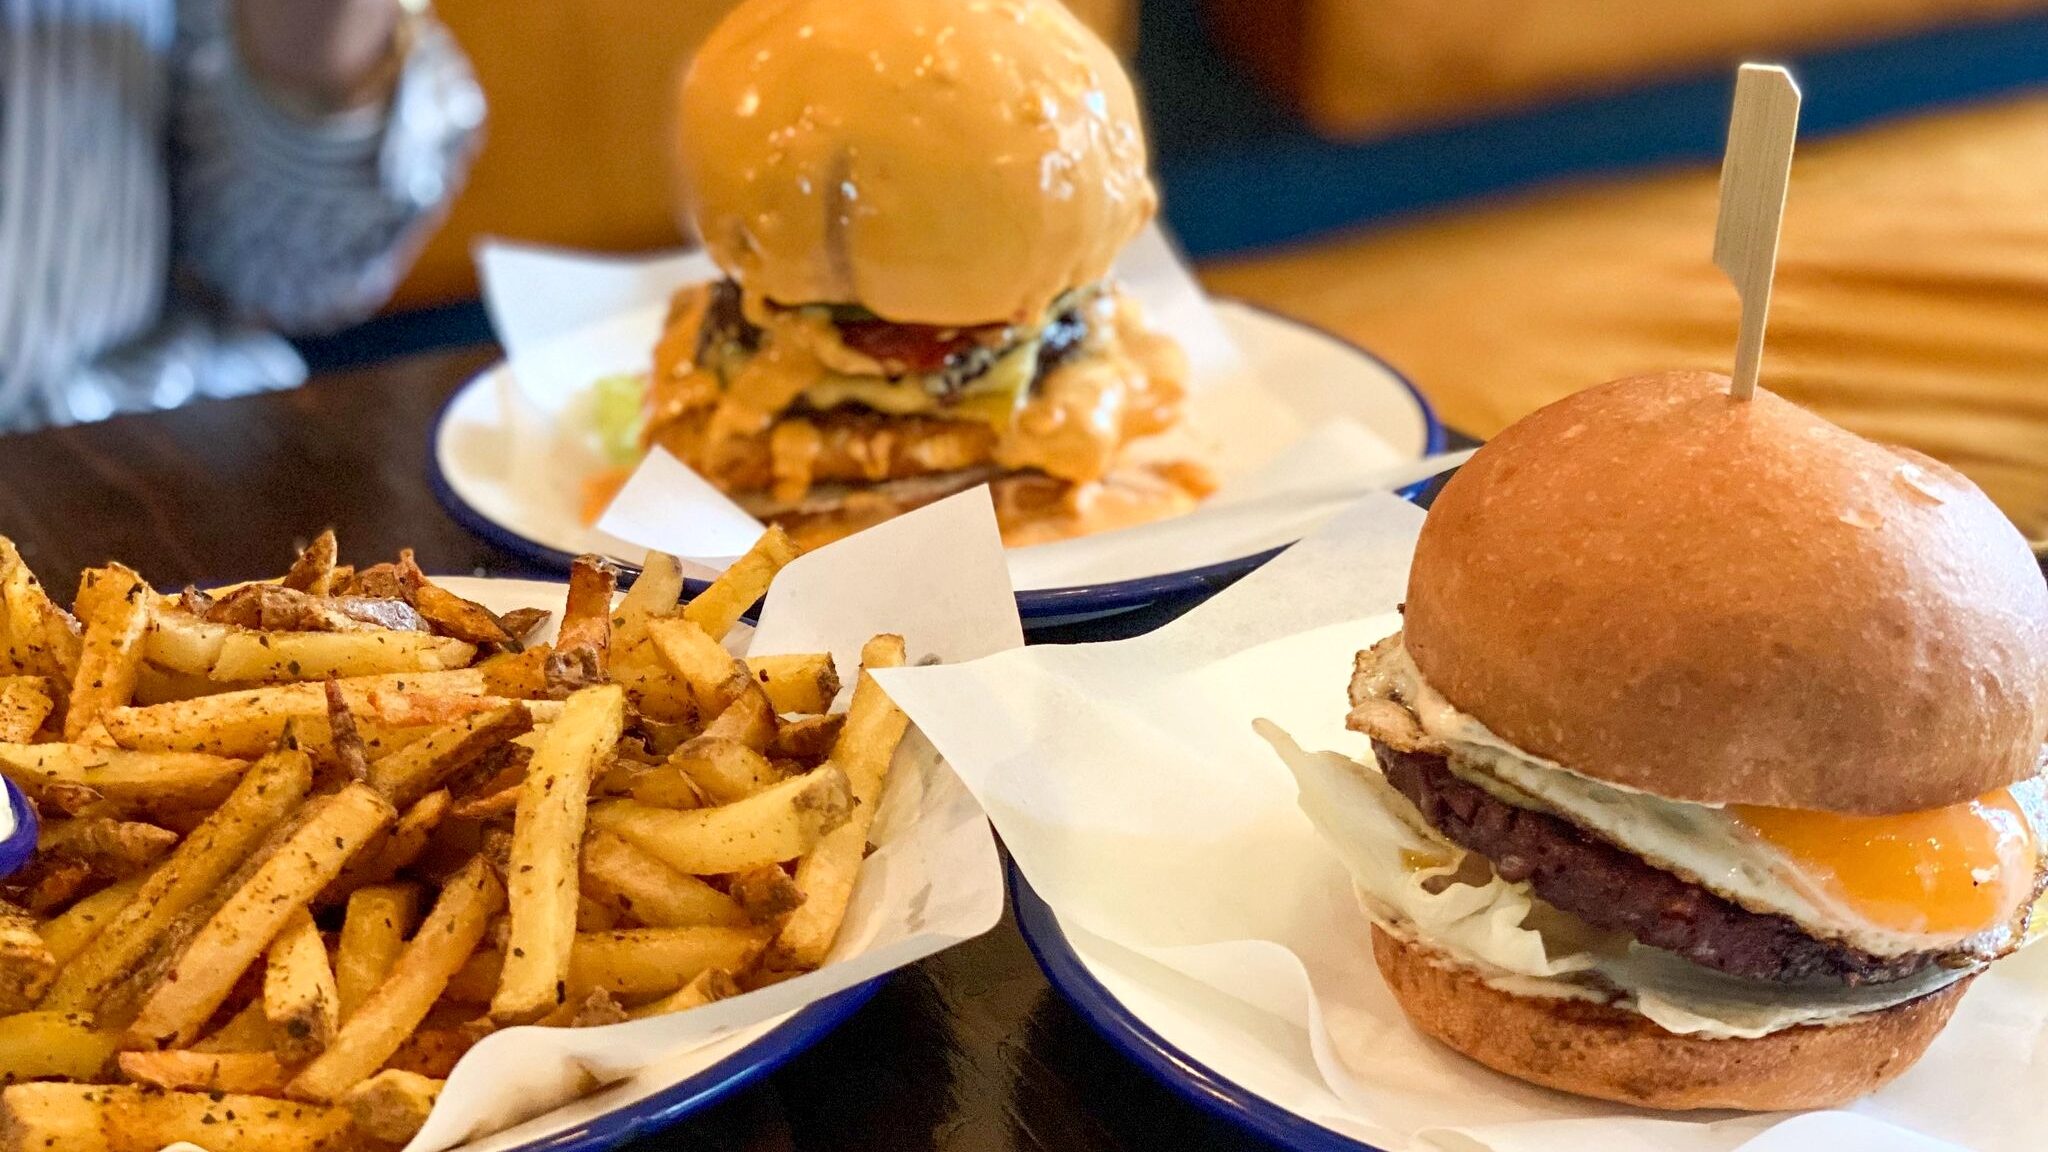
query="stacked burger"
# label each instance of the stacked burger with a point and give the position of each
(916, 204)
(1708, 760)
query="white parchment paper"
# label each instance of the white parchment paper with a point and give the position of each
(1289, 452)
(933, 880)
(1127, 783)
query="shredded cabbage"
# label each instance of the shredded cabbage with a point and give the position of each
(618, 415)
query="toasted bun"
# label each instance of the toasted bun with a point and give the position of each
(1613, 1054)
(935, 161)
(1657, 585)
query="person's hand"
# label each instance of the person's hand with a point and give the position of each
(320, 56)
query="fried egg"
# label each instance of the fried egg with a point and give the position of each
(1415, 884)
(1957, 879)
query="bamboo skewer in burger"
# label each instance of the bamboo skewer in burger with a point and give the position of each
(1755, 174)
(916, 204)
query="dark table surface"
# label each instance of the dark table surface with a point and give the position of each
(971, 1049)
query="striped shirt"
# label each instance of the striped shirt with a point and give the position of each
(160, 217)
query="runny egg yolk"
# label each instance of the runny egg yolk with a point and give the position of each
(1952, 871)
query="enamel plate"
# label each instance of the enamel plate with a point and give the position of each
(486, 457)
(1116, 1006)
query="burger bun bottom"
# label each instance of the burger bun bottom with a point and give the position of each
(1613, 1054)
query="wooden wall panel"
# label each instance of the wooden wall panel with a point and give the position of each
(1360, 68)
(1911, 301)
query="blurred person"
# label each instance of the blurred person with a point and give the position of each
(180, 177)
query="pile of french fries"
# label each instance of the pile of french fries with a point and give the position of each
(304, 842)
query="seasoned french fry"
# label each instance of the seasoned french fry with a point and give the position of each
(477, 980)
(723, 770)
(719, 607)
(655, 593)
(392, 1106)
(68, 934)
(313, 571)
(866, 746)
(702, 662)
(749, 719)
(131, 782)
(157, 685)
(416, 708)
(25, 704)
(595, 916)
(619, 777)
(766, 894)
(808, 739)
(343, 736)
(95, 735)
(522, 623)
(109, 847)
(290, 656)
(434, 1052)
(805, 682)
(299, 995)
(395, 1009)
(582, 654)
(270, 608)
(269, 793)
(547, 834)
(490, 805)
(597, 1010)
(45, 884)
(246, 1031)
(636, 963)
(666, 787)
(655, 692)
(643, 888)
(40, 638)
(708, 987)
(779, 823)
(127, 1118)
(380, 861)
(182, 1069)
(36, 1045)
(181, 642)
(460, 619)
(249, 722)
(631, 963)
(195, 982)
(517, 675)
(380, 581)
(115, 604)
(372, 935)
(26, 965)
(426, 764)
(450, 615)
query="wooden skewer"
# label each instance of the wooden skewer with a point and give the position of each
(1754, 172)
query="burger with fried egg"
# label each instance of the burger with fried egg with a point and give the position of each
(1707, 762)
(916, 204)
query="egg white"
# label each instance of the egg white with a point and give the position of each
(1698, 842)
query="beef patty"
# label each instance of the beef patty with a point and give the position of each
(1616, 891)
